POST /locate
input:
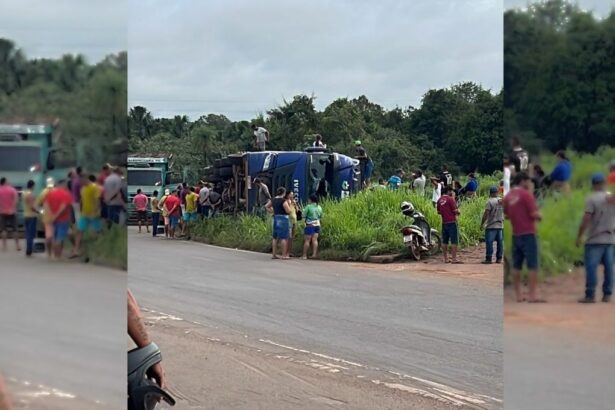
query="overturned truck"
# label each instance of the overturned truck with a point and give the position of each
(309, 172)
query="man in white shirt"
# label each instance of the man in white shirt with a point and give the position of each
(203, 198)
(261, 137)
(418, 185)
(437, 190)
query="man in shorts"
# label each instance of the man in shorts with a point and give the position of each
(8, 212)
(58, 202)
(191, 207)
(172, 205)
(89, 215)
(30, 216)
(521, 209)
(163, 210)
(599, 223)
(261, 137)
(447, 208)
(140, 202)
(46, 215)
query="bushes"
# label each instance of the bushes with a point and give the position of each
(368, 223)
(110, 248)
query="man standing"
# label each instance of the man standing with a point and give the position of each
(214, 202)
(155, 203)
(599, 223)
(447, 208)
(191, 205)
(521, 208)
(113, 196)
(261, 137)
(165, 213)
(263, 196)
(318, 142)
(203, 197)
(494, 232)
(30, 215)
(59, 203)
(172, 205)
(46, 215)
(519, 157)
(75, 187)
(8, 212)
(395, 180)
(471, 187)
(90, 212)
(446, 178)
(365, 162)
(140, 202)
(437, 191)
(612, 175)
(418, 185)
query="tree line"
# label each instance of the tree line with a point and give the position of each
(559, 77)
(89, 99)
(460, 126)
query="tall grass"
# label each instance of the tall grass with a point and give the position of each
(368, 223)
(110, 248)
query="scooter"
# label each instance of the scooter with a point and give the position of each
(143, 392)
(419, 237)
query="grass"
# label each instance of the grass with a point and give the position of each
(366, 224)
(110, 248)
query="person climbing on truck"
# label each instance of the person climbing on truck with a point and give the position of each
(261, 137)
(367, 165)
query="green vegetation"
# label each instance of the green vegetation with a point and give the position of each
(89, 100)
(558, 76)
(110, 248)
(366, 224)
(460, 126)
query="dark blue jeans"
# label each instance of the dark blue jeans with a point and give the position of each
(30, 227)
(494, 235)
(114, 212)
(594, 256)
(155, 222)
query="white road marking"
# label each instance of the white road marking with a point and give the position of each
(324, 356)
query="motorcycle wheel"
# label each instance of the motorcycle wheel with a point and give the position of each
(415, 249)
(436, 244)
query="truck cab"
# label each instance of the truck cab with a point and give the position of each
(27, 153)
(148, 174)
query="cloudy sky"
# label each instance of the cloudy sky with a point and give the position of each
(243, 57)
(599, 7)
(44, 28)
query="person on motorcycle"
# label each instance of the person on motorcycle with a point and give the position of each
(138, 334)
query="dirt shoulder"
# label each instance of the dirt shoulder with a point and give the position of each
(562, 312)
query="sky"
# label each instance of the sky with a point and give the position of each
(90, 27)
(243, 57)
(599, 7)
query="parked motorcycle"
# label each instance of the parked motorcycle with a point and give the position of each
(419, 237)
(143, 392)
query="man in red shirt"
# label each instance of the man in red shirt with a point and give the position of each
(172, 205)
(8, 211)
(521, 209)
(140, 202)
(58, 202)
(611, 178)
(447, 207)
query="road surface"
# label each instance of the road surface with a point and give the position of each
(62, 333)
(560, 354)
(411, 337)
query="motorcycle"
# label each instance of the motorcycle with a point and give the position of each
(143, 392)
(419, 237)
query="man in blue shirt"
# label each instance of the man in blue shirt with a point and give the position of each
(395, 180)
(471, 187)
(561, 174)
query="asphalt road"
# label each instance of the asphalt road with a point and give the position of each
(558, 369)
(62, 333)
(442, 329)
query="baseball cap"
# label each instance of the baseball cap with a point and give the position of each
(597, 178)
(357, 142)
(167, 191)
(493, 189)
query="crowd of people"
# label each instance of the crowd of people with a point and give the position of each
(528, 187)
(63, 210)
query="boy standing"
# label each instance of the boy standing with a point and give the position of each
(493, 221)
